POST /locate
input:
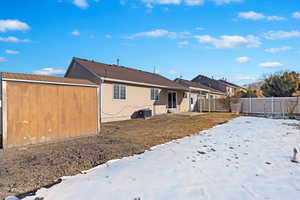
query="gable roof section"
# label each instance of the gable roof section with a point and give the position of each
(230, 84)
(9, 76)
(187, 83)
(128, 75)
(209, 82)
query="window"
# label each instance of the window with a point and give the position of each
(119, 91)
(192, 101)
(298, 86)
(155, 94)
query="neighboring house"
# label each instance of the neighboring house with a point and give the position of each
(256, 86)
(197, 92)
(210, 82)
(232, 89)
(124, 91)
(221, 85)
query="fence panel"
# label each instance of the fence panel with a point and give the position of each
(214, 105)
(270, 105)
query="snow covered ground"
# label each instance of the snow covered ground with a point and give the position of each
(247, 158)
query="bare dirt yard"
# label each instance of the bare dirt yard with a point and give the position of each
(26, 169)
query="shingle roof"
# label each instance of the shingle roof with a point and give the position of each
(230, 84)
(32, 77)
(210, 82)
(128, 74)
(187, 83)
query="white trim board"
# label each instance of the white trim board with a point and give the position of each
(48, 82)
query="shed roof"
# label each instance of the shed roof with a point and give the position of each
(40, 78)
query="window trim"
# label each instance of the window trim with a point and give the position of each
(158, 92)
(113, 92)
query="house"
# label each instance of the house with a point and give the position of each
(232, 89)
(229, 89)
(124, 91)
(198, 91)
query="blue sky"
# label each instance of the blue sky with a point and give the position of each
(240, 40)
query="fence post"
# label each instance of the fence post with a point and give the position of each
(250, 105)
(214, 105)
(272, 106)
(209, 104)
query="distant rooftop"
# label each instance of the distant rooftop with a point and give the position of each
(188, 83)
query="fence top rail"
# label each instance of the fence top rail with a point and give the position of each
(268, 98)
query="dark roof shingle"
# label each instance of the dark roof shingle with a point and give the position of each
(188, 83)
(128, 74)
(230, 84)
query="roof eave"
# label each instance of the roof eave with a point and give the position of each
(140, 83)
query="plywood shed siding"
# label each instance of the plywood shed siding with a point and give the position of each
(39, 113)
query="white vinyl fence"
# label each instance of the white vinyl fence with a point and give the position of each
(270, 106)
(213, 105)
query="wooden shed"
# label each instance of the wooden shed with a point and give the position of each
(37, 109)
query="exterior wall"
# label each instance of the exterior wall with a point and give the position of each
(183, 103)
(37, 113)
(77, 71)
(137, 98)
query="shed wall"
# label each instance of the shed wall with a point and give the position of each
(39, 113)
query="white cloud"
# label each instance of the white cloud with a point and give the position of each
(13, 39)
(275, 18)
(149, 3)
(183, 43)
(242, 78)
(200, 28)
(83, 4)
(13, 25)
(277, 50)
(230, 41)
(159, 33)
(108, 36)
(221, 2)
(242, 59)
(194, 2)
(75, 32)
(259, 16)
(270, 64)
(296, 15)
(8, 51)
(2, 59)
(49, 71)
(251, 15)
(273, 35)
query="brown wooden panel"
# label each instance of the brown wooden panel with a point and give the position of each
(39, 113)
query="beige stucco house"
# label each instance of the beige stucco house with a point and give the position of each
(124, 91)
(197, 92)
(232, 90)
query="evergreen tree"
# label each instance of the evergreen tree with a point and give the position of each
(280, 84)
